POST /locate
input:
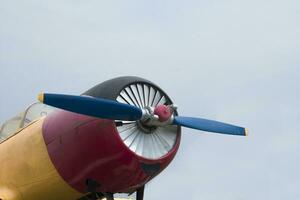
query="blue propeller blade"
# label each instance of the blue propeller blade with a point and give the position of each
(96, 107)
(209, 125)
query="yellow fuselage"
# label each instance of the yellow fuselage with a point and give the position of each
(26, 171)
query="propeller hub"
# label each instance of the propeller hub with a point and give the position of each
(163, 112)
(161, 115)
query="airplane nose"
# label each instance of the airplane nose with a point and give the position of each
(83, 148)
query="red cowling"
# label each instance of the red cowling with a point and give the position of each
(83, 147)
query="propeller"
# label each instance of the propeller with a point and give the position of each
(209, 125)
(96, 107)
(161, 115)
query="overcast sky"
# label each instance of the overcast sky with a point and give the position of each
(235, 61)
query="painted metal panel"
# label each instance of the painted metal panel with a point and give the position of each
(26, 171)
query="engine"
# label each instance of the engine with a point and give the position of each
(112, 156)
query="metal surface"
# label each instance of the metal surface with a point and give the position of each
(210, 126)
(147, 141)
(53, 158)
(96, 107)
(26, 171)
(82, 147)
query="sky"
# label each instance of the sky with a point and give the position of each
(234, 61)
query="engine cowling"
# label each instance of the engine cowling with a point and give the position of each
(118, 156)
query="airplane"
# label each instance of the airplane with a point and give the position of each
(114, 138)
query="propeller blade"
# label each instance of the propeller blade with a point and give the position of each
(96, 107)
(210, 126)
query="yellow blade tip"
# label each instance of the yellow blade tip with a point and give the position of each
(246, 132)
(41, 97)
